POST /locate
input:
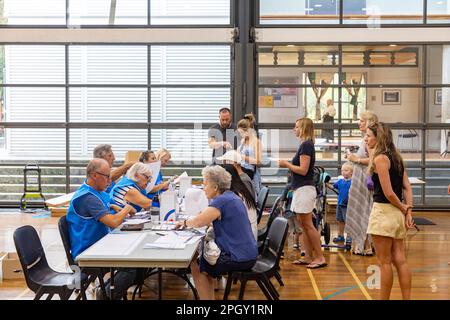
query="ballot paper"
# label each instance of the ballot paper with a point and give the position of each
(174, 240)
(155, 167)
(177, 180)
(164, 226)
(136, 221)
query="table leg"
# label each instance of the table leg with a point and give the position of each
(159, 284)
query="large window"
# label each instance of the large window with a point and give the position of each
(405, 85)
(118, 12)
(371, 13)
(113, 94)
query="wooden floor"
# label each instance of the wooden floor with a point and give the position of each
(344, 279)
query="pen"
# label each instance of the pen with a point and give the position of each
(160, 234)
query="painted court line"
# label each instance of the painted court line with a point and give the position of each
(355, 277)
(314, 284)
(24, 292)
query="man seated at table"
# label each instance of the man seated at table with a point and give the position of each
(89, 218)
(104, 151)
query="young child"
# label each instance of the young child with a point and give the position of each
(343, 186)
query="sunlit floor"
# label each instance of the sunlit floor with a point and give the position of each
(347, 276)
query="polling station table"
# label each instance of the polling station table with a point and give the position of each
(127, 249)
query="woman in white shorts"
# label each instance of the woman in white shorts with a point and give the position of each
(304, 198)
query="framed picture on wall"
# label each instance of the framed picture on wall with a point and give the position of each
(438, 96)
(391, 96)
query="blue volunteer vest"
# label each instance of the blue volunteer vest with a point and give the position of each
(125, 182)
(110, 187)
(85, 231)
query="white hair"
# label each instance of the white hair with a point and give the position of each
(217, 176)
(138, 168)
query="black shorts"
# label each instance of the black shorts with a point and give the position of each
(224, 265)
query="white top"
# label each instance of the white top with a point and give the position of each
(331, 110)
(253, 218)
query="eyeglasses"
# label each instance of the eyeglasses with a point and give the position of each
(108, 176)
(146, 176)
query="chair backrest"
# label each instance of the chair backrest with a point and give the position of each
(261, 202)
(31, 254)
(277, 210)
(64, 233)
(274, 244)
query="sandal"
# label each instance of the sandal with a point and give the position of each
(301, 262)
(316, 265)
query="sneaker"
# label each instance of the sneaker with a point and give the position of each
(348, 241)
(339, 239)
(296, 246)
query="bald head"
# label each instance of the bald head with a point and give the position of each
(96, 164)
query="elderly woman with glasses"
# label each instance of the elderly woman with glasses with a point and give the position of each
(232, 232)
(131, 189)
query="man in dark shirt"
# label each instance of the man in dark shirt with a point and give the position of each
(223, 136)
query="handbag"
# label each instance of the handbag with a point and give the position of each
(370, 184)
(210, 250)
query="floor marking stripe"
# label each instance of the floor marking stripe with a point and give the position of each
(314, 284)
(355, 277)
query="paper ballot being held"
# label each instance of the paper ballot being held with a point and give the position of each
(195, 201)
(155, 167)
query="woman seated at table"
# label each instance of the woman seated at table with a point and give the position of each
(131, 188)
(147, 157)
(233, 233)
(164, 156)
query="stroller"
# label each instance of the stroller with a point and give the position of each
(321, 179)
(319, 214)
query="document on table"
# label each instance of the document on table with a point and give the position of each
(164, 226)
(173, 240)
(136, 221)
(115, 244)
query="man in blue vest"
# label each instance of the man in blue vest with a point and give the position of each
(90, 218)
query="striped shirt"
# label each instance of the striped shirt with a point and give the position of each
(118, 196)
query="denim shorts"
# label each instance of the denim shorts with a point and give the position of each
(341, 212)
(224, 265)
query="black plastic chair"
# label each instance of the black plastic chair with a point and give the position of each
(261, 202)
(40, 278)
(409, 134)
(90, 273)
(266, 265)
(276, 211)
(263, 232)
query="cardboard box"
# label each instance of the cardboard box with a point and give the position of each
(132, 156)
(58, 211)
(10, 266)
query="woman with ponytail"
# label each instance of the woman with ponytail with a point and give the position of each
(250, 149)
(391, 212)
